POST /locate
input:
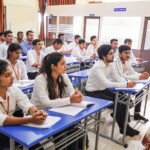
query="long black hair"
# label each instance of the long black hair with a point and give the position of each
(50, 59)
(3, 66)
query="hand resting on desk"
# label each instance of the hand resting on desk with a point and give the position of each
(76, 97)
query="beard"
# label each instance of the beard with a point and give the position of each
(109, 61)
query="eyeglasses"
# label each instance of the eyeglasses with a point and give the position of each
(111, 53)
(126, 53)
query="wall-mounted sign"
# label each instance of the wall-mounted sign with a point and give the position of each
(91, 14)
(51, 15)
(119, 9)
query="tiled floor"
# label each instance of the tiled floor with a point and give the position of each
(134, 143)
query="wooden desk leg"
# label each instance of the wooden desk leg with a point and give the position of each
(97, 131)
(12, 144)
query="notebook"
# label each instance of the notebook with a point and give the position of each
(50, 121)
(72, 109)
(136, 87)
(143, 81)
(23, 83)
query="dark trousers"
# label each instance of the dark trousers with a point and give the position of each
(32, 75)
(138, 106)
(109, 95)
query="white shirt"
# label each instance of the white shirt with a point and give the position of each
(92, 50)
(64, 47)
(3, 50)
(132, 57)
(72, 45)
(129, 74)
(32, 59)
(40, 96)
(98, 78)
(50, 49)
(16, 96)
(19, 66)
(79, 54)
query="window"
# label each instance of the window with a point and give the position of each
(91, 27)
(147, 38)
(51, 27)
(120, 28)
(70, 26)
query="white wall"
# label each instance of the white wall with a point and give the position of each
(22, 15)
(133, 9)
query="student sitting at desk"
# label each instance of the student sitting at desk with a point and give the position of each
(27, 44)
(17, 66)
(80, 52)
(124, 69)
(75, 43)
(55, 47)
(4, 46)
(92, 48)
(52, 87)
(98, 83)
(114, 44)
(34, 59)
(9, 97)
(133, 59)
(65, 48)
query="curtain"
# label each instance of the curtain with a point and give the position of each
(42, 7)
(60, 2)
(1, 16)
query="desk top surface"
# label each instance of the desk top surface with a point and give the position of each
(80, 74)
(133, 91)
(139, 63)
(29, 136)
(27, 87)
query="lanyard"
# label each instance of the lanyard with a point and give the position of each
(17, 74)
(30, 45)
(7, 111)
(81, 52)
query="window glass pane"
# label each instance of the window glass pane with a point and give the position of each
(120, 28)
(52, 21)
(147, 38)
(92, 27)
(70, 26)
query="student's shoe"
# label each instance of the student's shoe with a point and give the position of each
(130, 131)
(139, 117)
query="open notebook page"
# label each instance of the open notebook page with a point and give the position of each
(136, 87)
(50, 121)
(143, 81)
(72, 109)
(83, 104)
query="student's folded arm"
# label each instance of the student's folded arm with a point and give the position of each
(22, 100)
(41, 91)
(102, 79)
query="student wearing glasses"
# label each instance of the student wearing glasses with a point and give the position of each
(99, 81)
(125, 70)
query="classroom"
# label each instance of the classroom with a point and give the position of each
(74, 75)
